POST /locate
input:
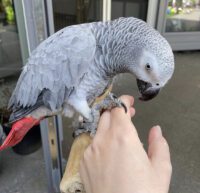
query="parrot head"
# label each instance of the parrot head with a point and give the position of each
(152, 62)
(154, 71)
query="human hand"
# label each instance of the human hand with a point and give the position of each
(116, 161)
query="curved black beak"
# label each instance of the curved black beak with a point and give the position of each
(146, 90)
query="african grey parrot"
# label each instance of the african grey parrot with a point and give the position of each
(74, 66)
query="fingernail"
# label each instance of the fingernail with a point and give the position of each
(158, 133)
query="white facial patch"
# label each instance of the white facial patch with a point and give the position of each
(148, 68)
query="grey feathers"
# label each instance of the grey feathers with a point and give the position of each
(58, 64)
(81, 61)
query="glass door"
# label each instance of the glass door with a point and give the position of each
(129, 8)
(183, 16)
(179, 22)
(10, 64)
(70, 12)
(142, 9)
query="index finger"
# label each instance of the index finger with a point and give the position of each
(104, 122)
(128, 102)
(118, 114)
(120, 122)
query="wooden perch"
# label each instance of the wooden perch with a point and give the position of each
(71, 182)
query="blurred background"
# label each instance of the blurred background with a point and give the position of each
(37, 163)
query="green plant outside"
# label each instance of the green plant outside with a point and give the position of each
(9, 11)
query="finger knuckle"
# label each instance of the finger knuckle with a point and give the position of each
(129, 131)
(125, 138)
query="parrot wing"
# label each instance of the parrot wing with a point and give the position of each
(55, 68)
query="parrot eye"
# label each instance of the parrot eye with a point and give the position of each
(148, 67)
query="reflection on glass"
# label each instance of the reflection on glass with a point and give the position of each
(183, 16)
(9, 40)
(69, 12)
(39, 19)
(129, 8)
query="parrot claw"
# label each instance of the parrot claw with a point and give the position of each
(86, 128)
(116, 102)
(88, 125)
(78, 131)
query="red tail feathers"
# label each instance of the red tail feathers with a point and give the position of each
(18, 131)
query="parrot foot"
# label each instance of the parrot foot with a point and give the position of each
(116, 102)
(88, 125)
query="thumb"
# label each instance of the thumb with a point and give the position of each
(159, 155)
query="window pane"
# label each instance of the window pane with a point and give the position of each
(70, 12)
(183, 16)
(129, 8)
(9, 40)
